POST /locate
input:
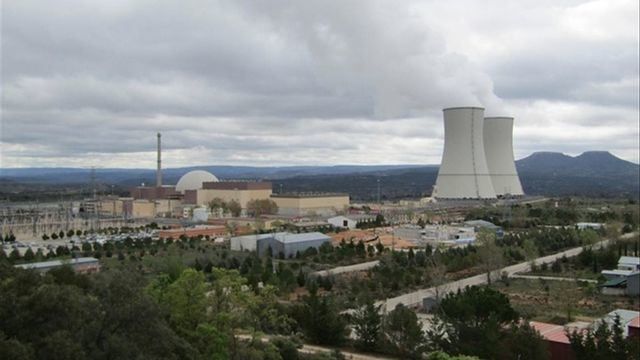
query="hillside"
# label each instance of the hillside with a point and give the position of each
(594, 173)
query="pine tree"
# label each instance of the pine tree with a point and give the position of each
(367, 324)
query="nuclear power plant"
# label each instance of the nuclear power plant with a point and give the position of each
(498, 148)
(477, 162)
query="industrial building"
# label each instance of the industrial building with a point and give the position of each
(477, 162)
(282, 244)
(210, 230)
(342, 222)
(309, 204)
(350, 221)
(625, 280)
(84, 265)
(436, 234)
(241, 192)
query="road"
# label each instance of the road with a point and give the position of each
(346, 269)
(415, 298)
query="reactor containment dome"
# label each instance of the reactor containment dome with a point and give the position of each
(193, 180)
(477, 162)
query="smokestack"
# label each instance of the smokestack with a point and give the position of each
(159, 171)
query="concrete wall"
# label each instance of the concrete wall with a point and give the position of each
(143, 209)
(204, 196)
(307, 205)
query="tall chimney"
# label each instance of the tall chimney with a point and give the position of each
(159, 171)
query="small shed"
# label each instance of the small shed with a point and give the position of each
(342, 222)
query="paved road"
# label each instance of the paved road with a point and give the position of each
(415, 298)
(346, 269)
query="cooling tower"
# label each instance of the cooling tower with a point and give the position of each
(498, 147)
(464, 173)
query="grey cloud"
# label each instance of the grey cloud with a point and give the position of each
(279, 82)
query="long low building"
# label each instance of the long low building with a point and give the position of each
(83, 265)
(282, 244)
(207, 230)
(307, 204)
(240, 191)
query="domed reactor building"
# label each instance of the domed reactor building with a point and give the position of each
(477, 162)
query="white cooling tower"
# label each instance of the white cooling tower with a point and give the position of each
(464, 173)
(498, 147)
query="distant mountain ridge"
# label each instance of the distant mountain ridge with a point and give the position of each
(171, 175)
(593, 173)
(590, 163)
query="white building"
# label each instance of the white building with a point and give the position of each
(193, 180)
(282, 244)
(592, 226)
(201, 214)
(342, 222)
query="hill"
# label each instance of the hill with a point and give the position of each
(593, 173)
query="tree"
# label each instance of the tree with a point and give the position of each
(14, 255)
(437, 275)
(185, 299)
(234, 207)
(490, 253)
(258, 207)
(300, 278)
(217, 204)
(320, 320)
(521, 341)
(28, 255)
(367, 324)
(604, 342)
(404, 333)
(476, 318)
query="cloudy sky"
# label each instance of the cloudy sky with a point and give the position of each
(88, 83)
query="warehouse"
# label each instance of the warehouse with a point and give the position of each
(283, 245)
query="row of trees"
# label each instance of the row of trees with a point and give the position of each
(605, 342)
(477, 321)
(232, 206)
(255, 207)
(118, 315)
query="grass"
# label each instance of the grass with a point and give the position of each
(561, 302)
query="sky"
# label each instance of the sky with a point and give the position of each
(89, 83)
